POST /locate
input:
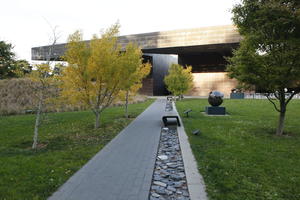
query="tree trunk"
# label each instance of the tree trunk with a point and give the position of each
(126, 104)
(97, 121)
(37, 124)
(280, 126)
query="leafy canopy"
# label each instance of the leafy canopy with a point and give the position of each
(268, 57)
(179, 80)
(90, 73)
(9, 66)
(134, 70)
(99, 70)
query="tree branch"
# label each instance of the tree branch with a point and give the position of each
(275, 94)
(290, 98)
(271, 100)
(111, 98)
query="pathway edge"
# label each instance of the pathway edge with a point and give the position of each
(195, 182)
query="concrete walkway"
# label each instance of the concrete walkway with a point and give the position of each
(123, 169)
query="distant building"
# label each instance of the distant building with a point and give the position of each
(203, 48)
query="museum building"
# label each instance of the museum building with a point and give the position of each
(204, 49)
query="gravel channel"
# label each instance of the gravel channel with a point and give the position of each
(169, 180)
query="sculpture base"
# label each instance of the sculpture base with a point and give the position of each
(215, 110)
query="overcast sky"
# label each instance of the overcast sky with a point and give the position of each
(25, 23)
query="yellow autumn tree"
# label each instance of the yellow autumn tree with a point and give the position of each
(179, 80)
(134, 70)
(96, 71)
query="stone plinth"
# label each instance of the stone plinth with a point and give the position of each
(215, 110)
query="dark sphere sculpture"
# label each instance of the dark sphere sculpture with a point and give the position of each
(215, 98)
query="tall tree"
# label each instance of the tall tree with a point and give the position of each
(268, 56)
(179, 79)
(9, 66)
(95, 72)
(133, 72)
(6, 60)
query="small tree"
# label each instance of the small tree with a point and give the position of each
(179, 80)
(22, 68)
(44, 80)
(133, 72)
(95, 74)
(44, 77)
(268, 56)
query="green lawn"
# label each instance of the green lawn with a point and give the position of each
(67, 142)
(239, 156)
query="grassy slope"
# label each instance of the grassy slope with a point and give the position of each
(239, 156)
(68, 141)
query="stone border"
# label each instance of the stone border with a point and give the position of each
(195, 180)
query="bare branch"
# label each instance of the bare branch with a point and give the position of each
(53, 40)
(290, 98)
(276, 95)
(111, 98)
(272, 101)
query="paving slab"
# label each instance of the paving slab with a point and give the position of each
(123, 169)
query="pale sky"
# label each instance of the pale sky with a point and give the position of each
(25, 23)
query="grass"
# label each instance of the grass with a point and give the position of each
(239, 156)
(66, 142)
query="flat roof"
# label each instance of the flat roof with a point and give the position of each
(205, 39)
